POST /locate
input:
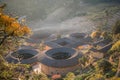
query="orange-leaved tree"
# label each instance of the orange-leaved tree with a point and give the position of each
(11, 31)
(9, 27)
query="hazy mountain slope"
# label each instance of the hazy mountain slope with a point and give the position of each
(57, 15)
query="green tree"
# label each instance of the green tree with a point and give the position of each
(116, 31)
(38, 77)
(103, 66)
(116, 28)
(11, 71)
(116, 47)
(70, 76)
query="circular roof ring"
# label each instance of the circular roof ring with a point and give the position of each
(61, 53)
(78, 35)
(60, 57)
(24, 53)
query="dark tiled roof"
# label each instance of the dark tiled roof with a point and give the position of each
(78, 35)
(76, 44)
(105, 48)
(102, 41)
(10, 58)
(58, 43)
(24, 61)
(63, 40)
(93, 50)
(52, 44)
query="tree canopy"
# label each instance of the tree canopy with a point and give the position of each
(11, 33)
(116, 46)
(116, 27)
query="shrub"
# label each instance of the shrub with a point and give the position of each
(103, 66)
(70, 76)
(116, 47)
(116, 27)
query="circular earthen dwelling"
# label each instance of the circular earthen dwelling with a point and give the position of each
(59, 61)
(25, 56)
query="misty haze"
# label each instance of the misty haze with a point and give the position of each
(55, 16)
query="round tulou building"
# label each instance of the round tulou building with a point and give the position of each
(59, 61)
(24, 56)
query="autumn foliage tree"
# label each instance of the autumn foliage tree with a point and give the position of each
(116, 46)
(11, 28)
(95, 34)
(11, 32)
